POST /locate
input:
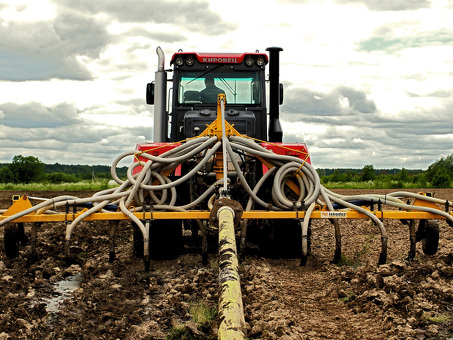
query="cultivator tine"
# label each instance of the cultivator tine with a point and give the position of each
(243, 234)
(34, 239)
(147, 224)
(137, 241)
(146, 256)
(412, 239)
(337, 255)
(384, 238)
(383, 254)
(204, 241)
(305, 244)
(447, 210)
(113, 228)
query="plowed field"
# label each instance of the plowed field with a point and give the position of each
(46, 298)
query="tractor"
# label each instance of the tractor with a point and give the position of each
(197, 80)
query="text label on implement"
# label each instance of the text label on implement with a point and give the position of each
(334, 214)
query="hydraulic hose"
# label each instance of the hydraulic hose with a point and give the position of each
(150, 185)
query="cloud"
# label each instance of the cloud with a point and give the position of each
(42, 50)
(162, 37)
(390, 42)
(390, 5)
(341, 101)
(59, 134)
(36, 115)
(190, 15)
(436, 94)
(81, 35)
(339, 146)
(357, 100)
(45, 50)
(294, 2)
(352, 113)
(345, 135)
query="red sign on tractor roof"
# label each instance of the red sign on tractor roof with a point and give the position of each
(218, 58)
(224, 58)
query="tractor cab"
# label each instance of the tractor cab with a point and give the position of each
(198, 79)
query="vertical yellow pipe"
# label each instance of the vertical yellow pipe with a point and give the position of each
(220, 132)
(231, 312)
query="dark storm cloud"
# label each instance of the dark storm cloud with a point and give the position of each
(390, 5)
(46, 50)
(191, 15)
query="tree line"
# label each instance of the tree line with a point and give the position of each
(438, 175)
(30, 169)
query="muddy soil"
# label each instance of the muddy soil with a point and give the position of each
(90, 298)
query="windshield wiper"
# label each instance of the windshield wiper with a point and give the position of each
(205, 73)
(228, 86)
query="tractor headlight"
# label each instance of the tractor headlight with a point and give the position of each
(260, 61)
(249, 61)
(190, 60)
(179, 60)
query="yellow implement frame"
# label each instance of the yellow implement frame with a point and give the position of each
(24, 203)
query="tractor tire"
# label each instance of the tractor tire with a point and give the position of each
(11, 240)
(23, 238)
(165, 239)
(281, 239)
(430, 241)
(137, 241)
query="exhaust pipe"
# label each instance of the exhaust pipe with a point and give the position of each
(160, 59)
(160, 99)
(275, 96)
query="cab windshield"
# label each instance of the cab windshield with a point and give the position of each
(202, 87)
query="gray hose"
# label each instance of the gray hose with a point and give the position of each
(141, 187)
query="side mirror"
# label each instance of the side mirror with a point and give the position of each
(150, 93)
(281, 93)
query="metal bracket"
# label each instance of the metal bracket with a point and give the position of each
(74, 211)
(225, 202)
(147, 208)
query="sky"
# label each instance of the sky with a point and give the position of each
(366, 81)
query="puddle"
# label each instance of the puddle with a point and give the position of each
(62, 291)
